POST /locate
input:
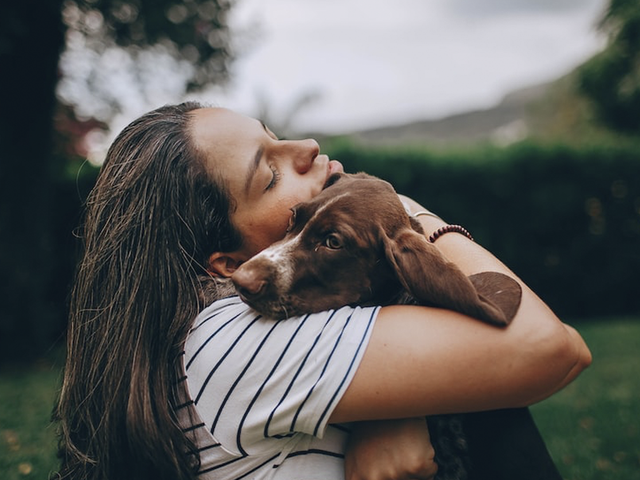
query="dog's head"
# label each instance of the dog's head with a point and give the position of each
(332, 254)
(354, 244)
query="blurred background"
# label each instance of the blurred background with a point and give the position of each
(519, 119)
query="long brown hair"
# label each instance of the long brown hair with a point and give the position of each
(152, 220)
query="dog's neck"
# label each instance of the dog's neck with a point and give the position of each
(212, 289)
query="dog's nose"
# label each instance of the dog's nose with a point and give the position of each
(248, 284)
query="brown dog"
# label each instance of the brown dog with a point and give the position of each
(354, 244)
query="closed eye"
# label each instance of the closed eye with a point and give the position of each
(275, 178)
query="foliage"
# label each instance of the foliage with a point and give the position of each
(612, 78)
(133, 51)
(193, 29)
(566, 219)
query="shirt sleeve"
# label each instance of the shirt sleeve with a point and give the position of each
(257, 382)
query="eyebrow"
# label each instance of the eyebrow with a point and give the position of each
(252, 169)
(254, 165)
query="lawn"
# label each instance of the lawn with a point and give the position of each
(27, 439)
(592, 427)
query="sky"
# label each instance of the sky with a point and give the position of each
(359, 63)
(368, 63)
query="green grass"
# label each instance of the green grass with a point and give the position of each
(592, 427)
(27, 438)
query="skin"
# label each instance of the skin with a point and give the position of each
(288, 172)
(420, 361)
(423, 361)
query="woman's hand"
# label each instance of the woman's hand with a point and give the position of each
(390, 450)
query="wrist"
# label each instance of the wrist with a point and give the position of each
(449, 229)
(433, 225)
(430, 223)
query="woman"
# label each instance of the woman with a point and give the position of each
(160, 384)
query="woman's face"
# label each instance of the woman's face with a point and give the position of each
(265, 176)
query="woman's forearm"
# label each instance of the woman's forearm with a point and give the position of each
(426, 361)
(472, 258)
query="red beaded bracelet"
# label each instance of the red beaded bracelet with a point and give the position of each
(449, 229)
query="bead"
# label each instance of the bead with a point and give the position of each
(449, 229)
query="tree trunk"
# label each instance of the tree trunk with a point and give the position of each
(31, 39)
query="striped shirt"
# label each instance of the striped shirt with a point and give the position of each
(264, 390)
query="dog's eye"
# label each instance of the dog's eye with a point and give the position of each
(332, 241)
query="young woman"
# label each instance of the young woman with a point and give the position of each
(162, 383)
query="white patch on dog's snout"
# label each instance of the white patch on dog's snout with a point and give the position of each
(275, 264)
(279, 257)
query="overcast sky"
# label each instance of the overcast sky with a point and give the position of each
(373, 63)
(368, 63)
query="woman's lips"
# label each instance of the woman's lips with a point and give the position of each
(333, 166)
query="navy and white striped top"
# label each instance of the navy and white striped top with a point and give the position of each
(264, 390)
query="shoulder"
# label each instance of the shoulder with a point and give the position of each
(240, 365)
(231, 312)
(230, 325)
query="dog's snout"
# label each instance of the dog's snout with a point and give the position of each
(248, 283)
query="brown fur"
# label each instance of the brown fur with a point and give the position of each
(354, 244)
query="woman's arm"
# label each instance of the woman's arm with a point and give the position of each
(423, 361)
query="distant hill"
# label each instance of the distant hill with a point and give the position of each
(550, 111)
(503, 123)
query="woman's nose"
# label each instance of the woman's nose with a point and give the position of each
(305, 152)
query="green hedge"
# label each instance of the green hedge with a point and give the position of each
(565, 219)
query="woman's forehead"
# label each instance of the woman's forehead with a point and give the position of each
(227, 141)
(222, 133)
(217, 123)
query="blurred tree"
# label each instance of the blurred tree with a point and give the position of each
(32, 37)
(611, 79)
(282, 125)
(139, 47)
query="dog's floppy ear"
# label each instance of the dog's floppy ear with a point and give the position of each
(500, 289)
(432, 280)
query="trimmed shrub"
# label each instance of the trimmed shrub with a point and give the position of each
(565, 219)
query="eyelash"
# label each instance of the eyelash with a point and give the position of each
(275, 179)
